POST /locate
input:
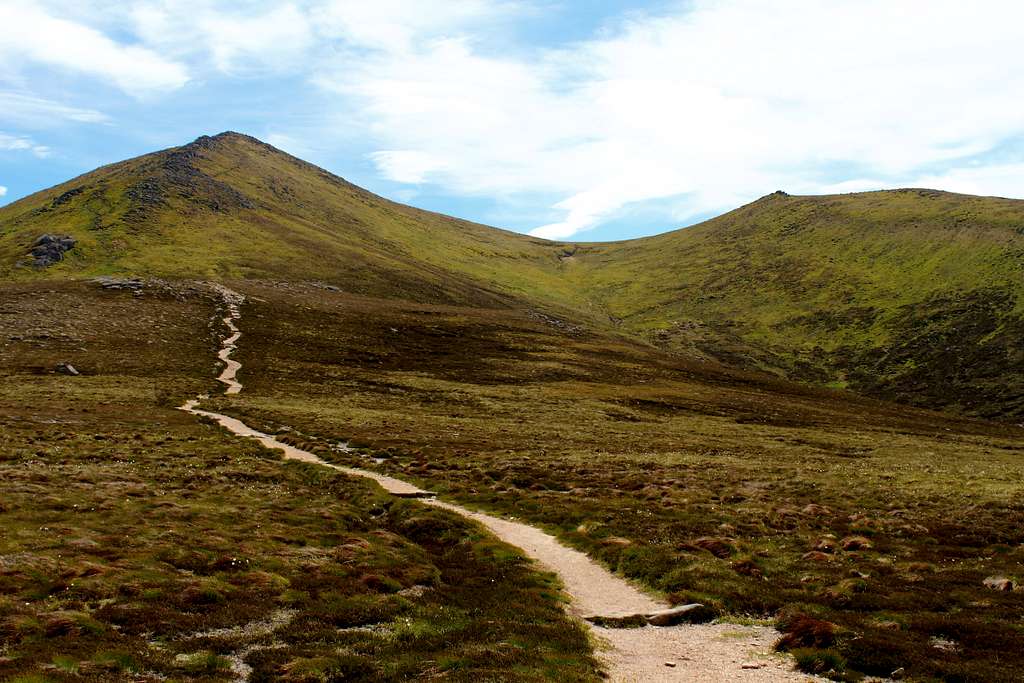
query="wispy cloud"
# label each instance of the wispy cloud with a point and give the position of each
(3, 191)
(35, 112)
(17, 143)
(241, 40)
(720, 101)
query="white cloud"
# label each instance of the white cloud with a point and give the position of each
(29, 33)
(407, 166)
(396, 25)
(20, 143)
(3, 191)
(1000, 180)
(700, 107)
(239, 40)
(35, 112)
(720, 101)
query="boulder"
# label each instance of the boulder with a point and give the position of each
(49, 249)
(67, 369)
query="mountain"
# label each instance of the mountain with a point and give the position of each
(230, 206)
(913, 295)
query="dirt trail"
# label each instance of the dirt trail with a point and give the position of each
(232, 300)
(705, 652)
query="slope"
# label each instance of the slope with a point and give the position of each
(231, 206)
(907, 294)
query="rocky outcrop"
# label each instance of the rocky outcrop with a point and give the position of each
(177, 173)
(49, 249)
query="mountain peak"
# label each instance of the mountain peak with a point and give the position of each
(228, 136)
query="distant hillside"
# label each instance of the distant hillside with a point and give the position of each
(912, 295)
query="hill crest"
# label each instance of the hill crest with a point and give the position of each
(912, 294)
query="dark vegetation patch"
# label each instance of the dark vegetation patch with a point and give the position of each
(960, 353)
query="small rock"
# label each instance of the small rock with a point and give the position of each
(998, 583)
(755, 665)
(898, 674)
(670, 664)
(67, 369)
(719, 547)
(825, 545)
(616, 540)
(417, 591)
(694, 613)
(413, 494)
(621, 620)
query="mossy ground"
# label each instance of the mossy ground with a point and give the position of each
(142, 544)
(702, 482)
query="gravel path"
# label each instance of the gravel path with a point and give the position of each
(705, 652)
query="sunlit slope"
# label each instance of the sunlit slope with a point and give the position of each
(230, 206)
(913, 294)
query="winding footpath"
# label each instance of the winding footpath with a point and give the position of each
(706, 652)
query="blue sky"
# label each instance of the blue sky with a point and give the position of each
(570, 120)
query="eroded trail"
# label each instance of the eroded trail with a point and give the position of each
(705, 652)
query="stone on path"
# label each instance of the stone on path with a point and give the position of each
(67, 369)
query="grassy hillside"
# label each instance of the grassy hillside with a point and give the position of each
(907, 294)
(912, 295)
(573, 386)
(230, 206)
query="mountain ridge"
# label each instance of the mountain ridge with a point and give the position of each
(910, 294)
